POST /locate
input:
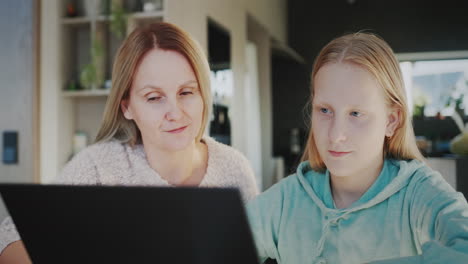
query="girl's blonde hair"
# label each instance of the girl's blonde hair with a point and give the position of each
(163, 36)
(373, 54)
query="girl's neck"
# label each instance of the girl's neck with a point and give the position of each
(180, 168)
(348, 189)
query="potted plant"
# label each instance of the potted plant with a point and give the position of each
(92, 74)
(118, 19)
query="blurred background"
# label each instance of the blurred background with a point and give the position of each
(56, 58)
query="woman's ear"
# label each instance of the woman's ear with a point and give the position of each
(125, 110)
(393, 121)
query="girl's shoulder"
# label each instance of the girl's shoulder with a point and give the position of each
(416, 170)
(290, 186)
(422, 179)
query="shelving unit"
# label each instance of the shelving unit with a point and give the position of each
(81, 110)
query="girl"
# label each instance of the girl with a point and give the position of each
(363, 193)
(153, 126)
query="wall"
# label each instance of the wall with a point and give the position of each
(17, 92)
(258, 35)
(272, 15)
(17, 89)
(56, 129)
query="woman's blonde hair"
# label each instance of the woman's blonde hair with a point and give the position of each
(373, 54)
(163, 36)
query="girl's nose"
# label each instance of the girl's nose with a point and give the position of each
(337, 132)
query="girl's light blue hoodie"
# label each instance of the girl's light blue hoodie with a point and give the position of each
(409, 215)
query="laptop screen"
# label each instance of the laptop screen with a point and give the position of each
(103, 224)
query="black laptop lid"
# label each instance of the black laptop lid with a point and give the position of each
(97, 224)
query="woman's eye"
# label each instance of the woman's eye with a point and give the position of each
(154, 98)
(356, 113)
(325, 110)
(185, 93)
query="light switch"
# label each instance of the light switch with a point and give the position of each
(10, 147)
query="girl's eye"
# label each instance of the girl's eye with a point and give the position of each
(356, 113)
(186, 93)
(325, 110)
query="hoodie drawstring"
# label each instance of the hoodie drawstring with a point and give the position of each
(325, 231)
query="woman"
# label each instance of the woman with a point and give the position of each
(154, 122)
(363, 193)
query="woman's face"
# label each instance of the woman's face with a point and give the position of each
(165, 101)
(350, 119)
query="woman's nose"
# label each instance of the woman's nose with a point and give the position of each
(174, 111)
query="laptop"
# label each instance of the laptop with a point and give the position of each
(117, 224)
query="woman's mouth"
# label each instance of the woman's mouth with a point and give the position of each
(177, 130)
(338, 153)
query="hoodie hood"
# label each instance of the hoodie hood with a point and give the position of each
(395, 175)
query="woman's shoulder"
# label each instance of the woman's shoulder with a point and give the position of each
(99, 152)
(223, 154)
(229, 167)
(103, 149)
(84, 166)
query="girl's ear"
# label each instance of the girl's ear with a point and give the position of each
(393, 120)
(125, 110)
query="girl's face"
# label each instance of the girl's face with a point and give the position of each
(165, 101)
(350, 119)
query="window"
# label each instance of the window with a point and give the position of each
(435, 86)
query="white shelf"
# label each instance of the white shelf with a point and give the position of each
(87, 93)
(147, 15)
(82, 20)
(102, 18)
(75, 20)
